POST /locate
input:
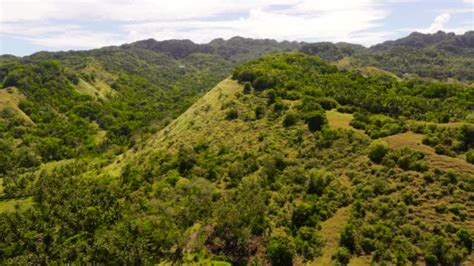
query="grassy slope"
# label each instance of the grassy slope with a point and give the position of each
(413, 141)
(201, 122)
(205, 122)
(10, 99)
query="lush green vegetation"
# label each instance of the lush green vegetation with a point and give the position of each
(440, 55)
(248, 175)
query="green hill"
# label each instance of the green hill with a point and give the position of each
(239, 152)
(290, 161)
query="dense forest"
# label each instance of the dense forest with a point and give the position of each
(133, 154)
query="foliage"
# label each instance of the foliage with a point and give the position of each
(377, 151)
(281, 250)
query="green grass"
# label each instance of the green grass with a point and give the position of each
(413, 141)
(10, 99)
(331, 230)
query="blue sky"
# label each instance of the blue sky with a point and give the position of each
(28, 26)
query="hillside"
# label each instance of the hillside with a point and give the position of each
(440, 55)
(236, 49)
(290, 161)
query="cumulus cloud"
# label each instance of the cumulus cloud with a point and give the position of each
(439, 22)
(62, 24)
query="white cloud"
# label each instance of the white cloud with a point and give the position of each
(62, 24)
(439, 22)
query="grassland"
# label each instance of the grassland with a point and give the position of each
(10, 99)
(413, 141)
(331, 230)
(97, 89)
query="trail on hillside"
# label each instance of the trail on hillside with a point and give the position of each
(331, 229)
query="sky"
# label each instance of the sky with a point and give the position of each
(29, 26)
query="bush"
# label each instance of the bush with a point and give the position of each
(348, 238)
(318, 181)
(470, 156)
(346, 109)
(247, 87)
(466, 239)
(263, 82)
(308, 242)
(343, 255)
(232, 114)
(280, 250)
(259, 112)
(279, 106)
(316, 120)
(377, 151)
(309, 104)
(290, 119)
(271, 96)
(327, 103)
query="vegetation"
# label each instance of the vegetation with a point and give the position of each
(107, 167)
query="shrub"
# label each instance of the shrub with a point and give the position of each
(290, 119)
(443, 118)
(232, 114)
(470, 156)
(440, 149)
(279, 106)
(348, 238)
(308, 242)
(343, 255)
(377, 151)
(318, 181)
(247, 87)
(346, 109)
(280, 250)
(309, 104)
(327, 103)
(466, 239)
(271, 96)
(259, 112)
(245, 75)
(263, 82)
(316, 120)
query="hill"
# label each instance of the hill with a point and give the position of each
(236, 49)
(253, 172)
(440, 55)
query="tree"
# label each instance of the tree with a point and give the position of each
(316, 120)
(318, 181)
(263, 82)
(470, 156)
(290, 119)
(232, 114)
(259, 112)
(343, 255)
(247, 87)
(465, 238)
(348, 238)
(280, 250)
(378, 150)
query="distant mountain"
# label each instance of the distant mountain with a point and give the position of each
(449, 42)
(440, 55)
(332, 52)
(236, 48)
